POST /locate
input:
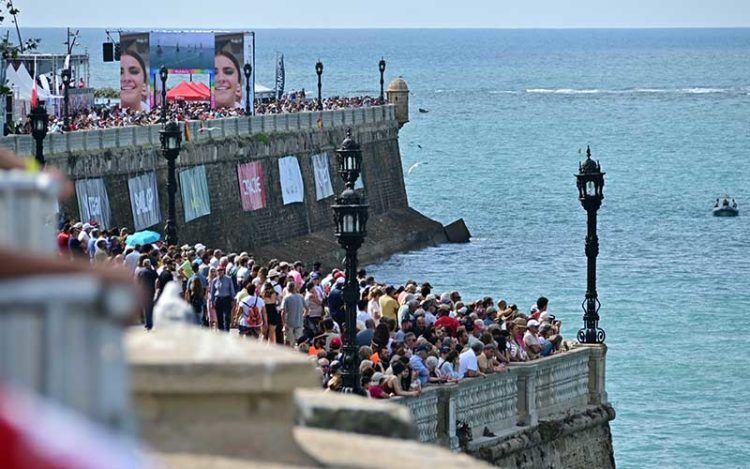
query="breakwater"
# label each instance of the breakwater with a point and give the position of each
(294, 230)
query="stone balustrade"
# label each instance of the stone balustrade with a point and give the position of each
(117, 137)
(505, 402)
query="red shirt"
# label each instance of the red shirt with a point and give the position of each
(376, 392)
(62, 242)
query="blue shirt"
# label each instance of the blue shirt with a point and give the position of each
(336, 304)
(418, 365)
(223, 287)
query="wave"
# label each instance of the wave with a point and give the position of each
(692, 90)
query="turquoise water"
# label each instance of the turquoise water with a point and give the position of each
(667, 112)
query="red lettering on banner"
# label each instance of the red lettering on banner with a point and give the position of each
(252, 186)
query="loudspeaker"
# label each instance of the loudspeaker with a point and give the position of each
(108, 51)
(117, 51)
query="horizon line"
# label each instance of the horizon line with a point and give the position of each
(347, 28)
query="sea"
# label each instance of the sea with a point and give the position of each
(509, 116)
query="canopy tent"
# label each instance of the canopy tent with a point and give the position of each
(189, 91)
(263, 92)
(21, 83)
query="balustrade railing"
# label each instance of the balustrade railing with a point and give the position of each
(502, 402)
(101, 139)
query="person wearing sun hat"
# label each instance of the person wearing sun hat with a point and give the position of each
(518, 348)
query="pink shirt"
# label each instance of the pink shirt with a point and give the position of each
(297, 277)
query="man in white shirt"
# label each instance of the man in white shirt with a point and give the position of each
(530, 339)
(468, 365)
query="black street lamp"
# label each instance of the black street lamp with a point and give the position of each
(65, 74)
(350, 219)
(590, 181)
(39, 121)
(170, 148)
(248, 69)
(319, 71)
(381, 66)
(163, 74)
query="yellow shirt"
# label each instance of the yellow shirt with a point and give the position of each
(388, 307)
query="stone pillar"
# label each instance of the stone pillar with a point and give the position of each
(217, 394)
(398, 95)
(527, 412)
(597, 373)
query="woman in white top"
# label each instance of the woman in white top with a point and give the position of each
(373, 306)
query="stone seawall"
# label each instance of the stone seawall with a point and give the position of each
(295, 231)
(551, 412)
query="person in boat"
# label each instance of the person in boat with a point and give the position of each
(734, 204)
(717, 204)
(725, 203)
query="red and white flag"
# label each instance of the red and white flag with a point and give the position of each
(34, 95)
(38, 434)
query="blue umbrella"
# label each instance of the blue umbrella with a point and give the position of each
(143, 237)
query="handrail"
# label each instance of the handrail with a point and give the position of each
(522, 396)
(118, 137)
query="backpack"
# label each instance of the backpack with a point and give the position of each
(254, 318)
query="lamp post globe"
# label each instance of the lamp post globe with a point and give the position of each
(350, 222)
(319, 72)
(381, 67)
(65, 75)
(590, 183)
(39, 122)
(248, 70)
(163, 75)
(171, 139)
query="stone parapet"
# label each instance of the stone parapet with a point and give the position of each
(122, 137)
(503, 403)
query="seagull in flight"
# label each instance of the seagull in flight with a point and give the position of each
(419, 146)
(415, 166)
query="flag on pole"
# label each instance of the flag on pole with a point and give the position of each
(280, 77)
(34, 91)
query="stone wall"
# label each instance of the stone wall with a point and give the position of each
(265, 139)
(551, 412)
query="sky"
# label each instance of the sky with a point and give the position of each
(202, 14)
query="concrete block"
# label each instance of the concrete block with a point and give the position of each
(93, 139)
(243, 126)
(350, 413)
(142, 135)
(109, 138)
(125, 136)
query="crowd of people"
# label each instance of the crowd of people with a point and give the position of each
(409, 336)
(115, 116)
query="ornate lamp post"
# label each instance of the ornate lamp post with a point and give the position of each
(350, 219)
(319, 71)
(170, 148)
(39, 122)
(163, 74)
(590, 181)
(65, 74)
(381, 66)
(248, 69)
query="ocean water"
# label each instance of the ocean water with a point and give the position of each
(667, 113)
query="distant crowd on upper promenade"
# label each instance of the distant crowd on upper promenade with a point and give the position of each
(409, 336)
(115, 116)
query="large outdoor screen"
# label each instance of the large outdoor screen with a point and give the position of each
(134, 72)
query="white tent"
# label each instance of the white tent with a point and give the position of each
(262, 92)
(21, 82)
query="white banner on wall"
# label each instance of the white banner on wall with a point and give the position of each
(194, 188)
(144, 201)
(290, 176)
(93, 202)
(323, 186)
